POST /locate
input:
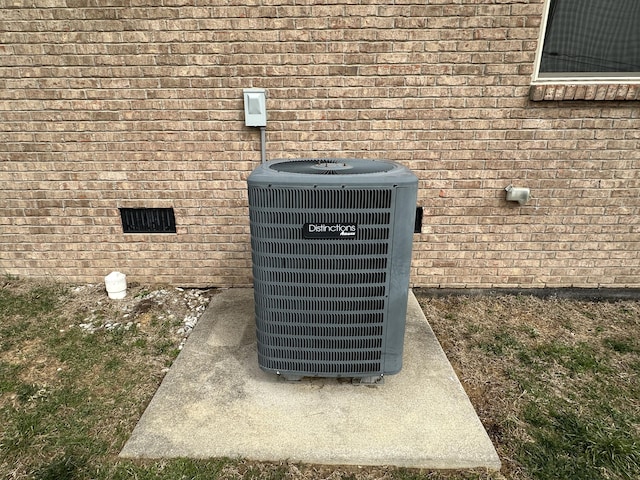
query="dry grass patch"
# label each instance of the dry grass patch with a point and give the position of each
(77, 369)
(555, 381)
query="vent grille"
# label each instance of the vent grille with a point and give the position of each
(295, 233)
(321, 264)
(275, 217)
(320, 305)
(148, 220)
(318, 278)
(322, 199)
(322, 343)
(321, 318)
(329, 369)
(323, 355)
(309, 291)
(351, 334)
(341, 249)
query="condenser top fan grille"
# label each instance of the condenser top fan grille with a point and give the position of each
(332, 166)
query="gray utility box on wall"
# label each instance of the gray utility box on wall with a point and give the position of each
(331, 246)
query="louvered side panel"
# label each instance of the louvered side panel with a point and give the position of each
(321, 304)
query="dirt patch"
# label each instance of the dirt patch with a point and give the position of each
(91, 308)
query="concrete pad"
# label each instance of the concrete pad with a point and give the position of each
(216, 402)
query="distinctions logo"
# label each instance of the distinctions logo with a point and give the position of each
(329, 230)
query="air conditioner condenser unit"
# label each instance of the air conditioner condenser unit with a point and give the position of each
(331, 249)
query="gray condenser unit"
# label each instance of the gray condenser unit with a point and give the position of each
(331, 247)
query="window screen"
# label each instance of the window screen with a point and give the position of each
(591, 38)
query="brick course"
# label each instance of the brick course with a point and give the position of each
(128, 103)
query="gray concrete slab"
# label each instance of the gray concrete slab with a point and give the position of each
(215, 401)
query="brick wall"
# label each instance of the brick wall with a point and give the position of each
(125, 103)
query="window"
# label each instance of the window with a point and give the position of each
(590, 41)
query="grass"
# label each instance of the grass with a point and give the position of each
(555, 383)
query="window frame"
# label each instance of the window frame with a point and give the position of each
(560, 78)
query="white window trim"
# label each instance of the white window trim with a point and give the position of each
(560, 79)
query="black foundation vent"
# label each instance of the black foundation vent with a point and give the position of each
(148, 220)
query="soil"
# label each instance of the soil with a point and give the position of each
(94, 310)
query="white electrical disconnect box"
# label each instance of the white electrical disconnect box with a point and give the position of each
(255, 107)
